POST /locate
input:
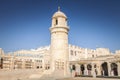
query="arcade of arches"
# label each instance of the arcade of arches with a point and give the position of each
(98, 68)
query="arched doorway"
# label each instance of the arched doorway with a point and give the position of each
(104, 69)
(89, 68)
(1, 63)
(73, 67)
(114, 71)
(82, 69)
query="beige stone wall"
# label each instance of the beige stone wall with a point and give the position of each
(77, 53)
(1, 55)
(27, 59)
(117, 52)
(1, 52)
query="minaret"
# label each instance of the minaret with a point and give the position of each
(59, 44)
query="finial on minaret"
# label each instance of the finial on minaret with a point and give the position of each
(58, 8)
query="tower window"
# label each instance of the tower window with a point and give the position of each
(71, 52)
(56, 22)
(66, 20)
(75, 53)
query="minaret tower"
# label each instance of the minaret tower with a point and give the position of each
(59, 44)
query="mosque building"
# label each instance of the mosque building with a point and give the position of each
(62, 57)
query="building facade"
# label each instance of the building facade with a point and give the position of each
(88, 62)
(63, 57)
(27, 59)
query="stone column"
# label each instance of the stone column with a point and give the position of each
(70, 70)
(73, 71)
(80, 69)
(93, 70)
(43, 64)
(35, 65)
(77, 69)
(23, 64)
(109, 68)
(12, 63)
(98, 69)
(118, 68)
(85, 71)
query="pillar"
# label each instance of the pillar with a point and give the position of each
(93, 70)
(12, 63)
(23, 64)
(98, 69)
(70, 70)
(80, 69)
(73, 71)
(109, 68)
(118, 68)
(77, 69)
(85, 71)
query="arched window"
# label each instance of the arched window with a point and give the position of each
(40, 66)
(37, 67)
(56, 22)
(89, 67)
(73, 67)
(104, 69)
(114, 70)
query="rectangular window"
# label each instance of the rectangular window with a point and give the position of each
(71, 52)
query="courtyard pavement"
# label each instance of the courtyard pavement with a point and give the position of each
(78, 78)
(88, 78)
(37, 75)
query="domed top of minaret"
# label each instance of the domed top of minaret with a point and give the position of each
(59, 14)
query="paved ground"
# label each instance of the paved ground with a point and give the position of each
(88, 78)
(80, 78)
(36, 75)
(18, 74)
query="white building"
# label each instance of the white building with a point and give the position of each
(64, 58)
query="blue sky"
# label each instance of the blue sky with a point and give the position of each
(24, 24)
